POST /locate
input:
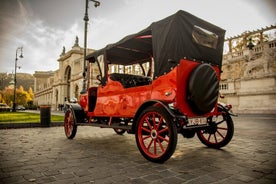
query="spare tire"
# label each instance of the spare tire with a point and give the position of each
(203, 89)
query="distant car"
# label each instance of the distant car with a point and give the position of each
(20, 108)
(4, 107)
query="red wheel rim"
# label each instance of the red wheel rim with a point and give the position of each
(216, 134)
(68, 123)
(153, 134)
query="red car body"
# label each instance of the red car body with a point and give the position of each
(177, 94)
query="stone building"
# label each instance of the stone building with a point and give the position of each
(53, 87)
(248, 81)
(43, 87)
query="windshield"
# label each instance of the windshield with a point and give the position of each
(135, 69)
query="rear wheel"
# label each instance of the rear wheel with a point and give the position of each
(219, 133)
(156, 134)
(70, 127)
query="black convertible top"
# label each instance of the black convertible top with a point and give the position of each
(180, 35)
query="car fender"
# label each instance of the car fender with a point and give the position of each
(78, 112)
(226, 108)
(148, 104)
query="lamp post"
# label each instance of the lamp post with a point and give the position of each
(86, 19)
(15, 67)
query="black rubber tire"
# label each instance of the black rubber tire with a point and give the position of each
(156, 134)
(70, 127)
(203, 89)
(219, 134)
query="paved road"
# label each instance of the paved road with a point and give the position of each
(44, 155)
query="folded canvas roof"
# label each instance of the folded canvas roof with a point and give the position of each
(181, 35)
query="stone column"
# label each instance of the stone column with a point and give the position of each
(230, 45)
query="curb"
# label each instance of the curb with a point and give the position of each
(28, 125)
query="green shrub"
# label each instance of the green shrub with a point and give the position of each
(25, 117)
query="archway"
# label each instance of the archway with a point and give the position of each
(67, 77)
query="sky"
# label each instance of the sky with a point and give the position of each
(43, 27)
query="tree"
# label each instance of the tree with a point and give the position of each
(30, 95)
(30, 98)
(22, 97)
(7, 96)
(2, 100)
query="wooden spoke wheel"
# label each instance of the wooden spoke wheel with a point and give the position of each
(156, 134)
(219, 133)
(70, 126)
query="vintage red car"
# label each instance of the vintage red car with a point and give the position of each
(176, 88)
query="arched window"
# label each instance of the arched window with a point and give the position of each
(67, 77)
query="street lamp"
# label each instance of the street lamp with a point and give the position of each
(86, 19)
(15, 67)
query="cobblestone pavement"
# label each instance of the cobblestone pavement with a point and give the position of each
(45, 155)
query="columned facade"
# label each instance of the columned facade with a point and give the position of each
(248, 80)
(43, 90)
(54, 87)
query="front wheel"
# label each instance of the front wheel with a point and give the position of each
(156, 134)
(70, 127)
(219, 133)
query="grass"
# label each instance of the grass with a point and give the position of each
(25, 117)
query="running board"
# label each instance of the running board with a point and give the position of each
(125, 127)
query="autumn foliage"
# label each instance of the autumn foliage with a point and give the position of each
(23, 97)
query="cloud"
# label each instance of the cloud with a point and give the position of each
(44, 27)
(42, 42)
(12, 24)
(43, 45)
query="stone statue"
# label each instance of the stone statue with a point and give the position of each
(76, 42)
(63, 51)
(262, 65)
(250, 48)
(250, 44)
